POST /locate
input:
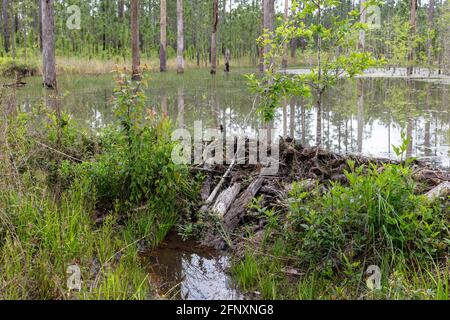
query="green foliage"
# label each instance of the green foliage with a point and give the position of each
(57, 178)
(377, 214)
(134, 170)
(10, 68)
(332, 64)
(331, 237)
(41, 238)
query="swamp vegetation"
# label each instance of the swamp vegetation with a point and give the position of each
(359, 206)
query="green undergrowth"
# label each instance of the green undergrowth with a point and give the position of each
(91, 199)
(10, 68)
(322, 243)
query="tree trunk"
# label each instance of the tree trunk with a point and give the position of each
(412, 22)
(180, 37)
(163, 37)
(284, 62)
(5, 25)
(269, 13)
(214, 37)
(48, 42)
(40, 24)
(120, 9)
(362, 33)
(430, 29)
(136, 75)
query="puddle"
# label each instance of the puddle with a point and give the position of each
(184, 271)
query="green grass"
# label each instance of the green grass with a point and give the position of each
(41, 237)
(57, 178)
(330, 239)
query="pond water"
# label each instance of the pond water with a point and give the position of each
(183, 270)
(364, 115)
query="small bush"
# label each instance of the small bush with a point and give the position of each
(376, 215)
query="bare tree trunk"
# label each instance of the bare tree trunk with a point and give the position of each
(120, 9)
(136, 75)
(180, 37)
(284, 62)
(214, 37)
(412, 22)
(48, 42)
(40, 24)
(5, 25)
(430, 29)
(362, 32)
(163, 37)
(260, 47)
(227, 60)
(269, 13)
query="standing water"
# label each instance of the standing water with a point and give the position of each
(364, 116)
(183, 270)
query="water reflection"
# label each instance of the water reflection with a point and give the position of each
(182, 270)
(361, 116)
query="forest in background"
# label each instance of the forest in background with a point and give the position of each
(105, 32)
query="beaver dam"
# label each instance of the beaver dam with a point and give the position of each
(229, 190)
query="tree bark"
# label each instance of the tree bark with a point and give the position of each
(40, 24)
(136, 75)
(362, 33)
(180, 37)
(284, 62)
(120, 9)
(214, 37)
(163, 37)
(412, 22)
(48, 42)
(269, 13)
(430, 28)
(5, 25)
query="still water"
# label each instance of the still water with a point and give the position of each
(364, 115)
(183, 270)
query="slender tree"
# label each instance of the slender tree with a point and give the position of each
(412, 36)
(48, 42)
(430, 29)
(284, 62)
(362, 32)
(214, 36)
(135, 40)
(120, 9)
(5, 19)
(163, 37)
(269, 14)
(180, 37)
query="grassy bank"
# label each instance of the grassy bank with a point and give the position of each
(71, 197)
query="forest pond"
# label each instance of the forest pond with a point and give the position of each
(364, 115)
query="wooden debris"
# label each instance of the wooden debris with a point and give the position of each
(239, 207)
(441, 190)
(225, 199)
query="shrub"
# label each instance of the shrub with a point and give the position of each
(377, 215)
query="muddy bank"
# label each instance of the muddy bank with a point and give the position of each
(229, 190)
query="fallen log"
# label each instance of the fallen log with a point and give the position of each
(225, 199)
(239, 207)
(441, 190)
